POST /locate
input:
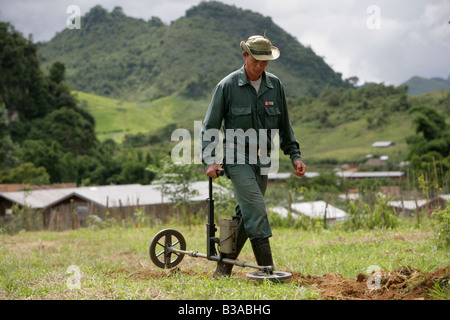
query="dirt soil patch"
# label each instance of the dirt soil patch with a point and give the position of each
(404, 283)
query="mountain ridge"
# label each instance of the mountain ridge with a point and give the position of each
(419, 85)
(123, 57)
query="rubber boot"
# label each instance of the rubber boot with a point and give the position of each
(262, 251)
(224, 269)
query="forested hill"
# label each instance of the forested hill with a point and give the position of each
(123, 57)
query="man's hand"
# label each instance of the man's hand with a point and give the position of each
(211, 171)
(299, 168)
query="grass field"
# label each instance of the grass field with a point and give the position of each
(114, 263)
(115, 118)
(352, 141)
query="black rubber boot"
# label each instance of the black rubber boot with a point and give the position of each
(262, 251)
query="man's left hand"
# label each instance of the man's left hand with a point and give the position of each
(299, 168)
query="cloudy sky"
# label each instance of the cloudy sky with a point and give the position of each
(376, 40)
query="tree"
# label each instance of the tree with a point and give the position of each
(428, 122)
(432, 132)
(58, 93)
(22, 83)
(27, 173)
(176, 181)
(7, 147)
(74, 132)
(429, 149)
(43, 155)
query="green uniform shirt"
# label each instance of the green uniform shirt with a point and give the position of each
(236, 105)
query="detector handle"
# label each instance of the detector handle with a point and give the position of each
(211, 229)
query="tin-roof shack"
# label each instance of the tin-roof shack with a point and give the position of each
(314, 210)
(370, 174)
(410, 207)
(382, 144)
(69, 208)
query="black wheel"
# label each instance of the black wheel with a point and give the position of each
(159, 250)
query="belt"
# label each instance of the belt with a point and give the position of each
(260, 152)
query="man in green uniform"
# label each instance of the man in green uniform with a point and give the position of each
(250, 104)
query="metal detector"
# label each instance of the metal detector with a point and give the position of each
(173, 246)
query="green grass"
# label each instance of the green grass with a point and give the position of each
(352, 141)
(114, 263)
(115, 118)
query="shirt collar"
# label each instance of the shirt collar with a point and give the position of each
(243, 80)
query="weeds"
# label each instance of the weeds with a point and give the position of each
(441, 289)
(440, 220)
(364, 216)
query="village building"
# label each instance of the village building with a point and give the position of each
(314, 210)
(69, 208)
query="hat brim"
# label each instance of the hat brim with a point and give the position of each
(273, 56)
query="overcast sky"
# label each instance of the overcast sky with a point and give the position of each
(376, 40)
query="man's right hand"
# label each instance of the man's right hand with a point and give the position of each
(211, 171)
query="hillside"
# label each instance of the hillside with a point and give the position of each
(51, 133)
(419, 85)
(131, 59)
(116, 118)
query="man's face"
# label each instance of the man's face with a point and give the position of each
(253, 67)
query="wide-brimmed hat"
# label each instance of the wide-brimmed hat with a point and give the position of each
(260, 48)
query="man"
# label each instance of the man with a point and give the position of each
(250, 100)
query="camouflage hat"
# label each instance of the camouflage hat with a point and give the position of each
(260, 48)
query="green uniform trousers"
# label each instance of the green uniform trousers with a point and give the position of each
(249, 187)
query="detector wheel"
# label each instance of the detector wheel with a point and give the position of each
(167, 240)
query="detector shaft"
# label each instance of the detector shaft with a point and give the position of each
(239, 263)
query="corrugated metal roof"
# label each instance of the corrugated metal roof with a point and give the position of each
(317, 209)
(407, 204)
(314, 209)
(374, 174)
(286, 175)
(414, 204)
(382, 144)
(36, 198)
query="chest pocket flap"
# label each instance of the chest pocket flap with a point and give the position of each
(241, 117)
(272, 117)
(273, 111)
(241, 111)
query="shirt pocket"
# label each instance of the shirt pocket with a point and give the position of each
(272, 117)
(242, 117)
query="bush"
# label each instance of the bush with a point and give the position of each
(370, 217)
(440, 220)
